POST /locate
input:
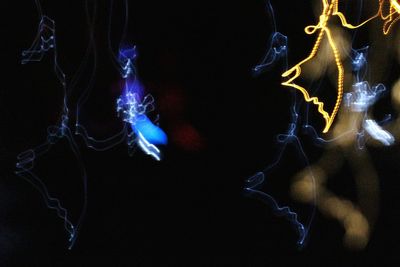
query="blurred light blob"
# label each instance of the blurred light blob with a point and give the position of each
(133, 107)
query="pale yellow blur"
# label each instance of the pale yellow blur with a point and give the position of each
(324, 30)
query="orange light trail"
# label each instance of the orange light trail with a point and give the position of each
(331, 9)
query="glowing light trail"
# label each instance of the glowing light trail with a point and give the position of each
(331, 9)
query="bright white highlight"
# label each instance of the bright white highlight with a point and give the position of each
(377, 133)
(148, 148)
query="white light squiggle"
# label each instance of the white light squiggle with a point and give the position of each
(377, 133)
(148, 148)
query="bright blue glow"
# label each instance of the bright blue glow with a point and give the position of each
(150, 131)
(133, 106)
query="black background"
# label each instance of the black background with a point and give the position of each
(188, 209)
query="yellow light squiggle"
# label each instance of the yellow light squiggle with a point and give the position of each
(331, 9)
